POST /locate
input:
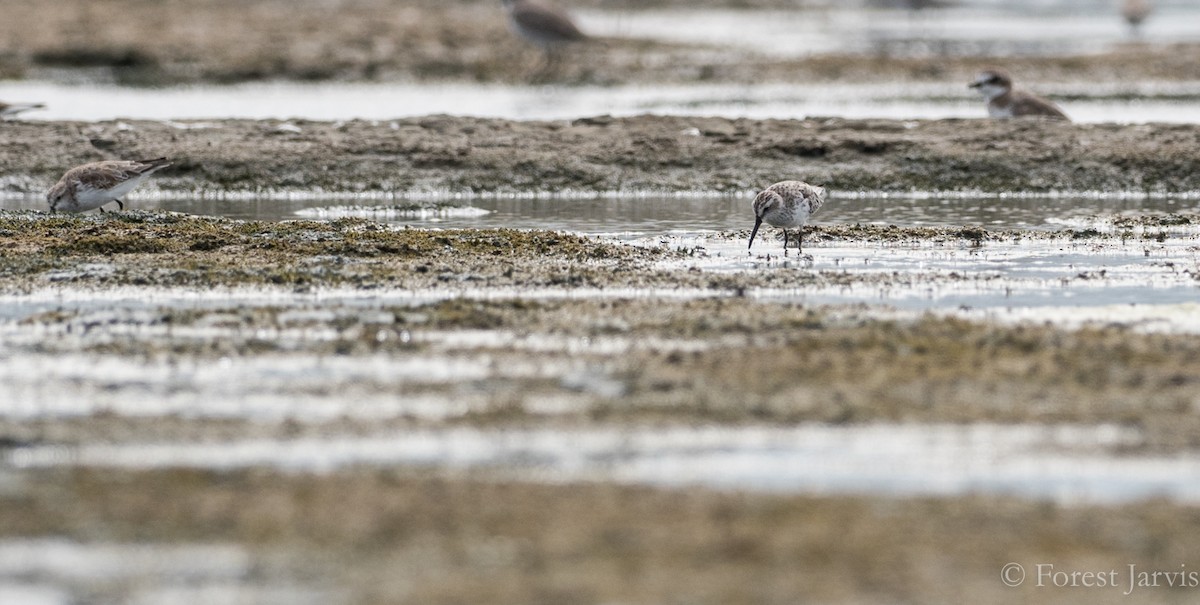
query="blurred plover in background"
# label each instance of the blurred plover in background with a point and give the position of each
(1134, 12)
(92, 185)
(1007, 101)
(547, 27)
(787, 204)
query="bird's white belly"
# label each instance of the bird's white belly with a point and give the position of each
(798, 217)
(999, 111)
(88, 199)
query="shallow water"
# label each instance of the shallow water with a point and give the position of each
(1014, 275)
(1133, 102)
(1063, 463)
(991, 29)
(60, 572)
(681, 215)
(978, 28)
(1006, 275)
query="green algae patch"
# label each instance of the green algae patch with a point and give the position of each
(167, 249)
(973, 234)
(115, 243)
(145, 232)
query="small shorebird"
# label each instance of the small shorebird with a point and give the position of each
(547, 27)
(8, 110)
(787, 204)
(93, 185)
(1134, 12)
(1007, 101)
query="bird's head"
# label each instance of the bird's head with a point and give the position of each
(992, 83)
(55, 196)
(766, 201)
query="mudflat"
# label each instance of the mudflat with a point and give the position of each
(446, 155)
(139, 330)
(137, 308)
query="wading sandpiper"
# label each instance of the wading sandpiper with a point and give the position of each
(787, 204)
(92, 185)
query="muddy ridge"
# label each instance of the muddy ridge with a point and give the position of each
(444, 154)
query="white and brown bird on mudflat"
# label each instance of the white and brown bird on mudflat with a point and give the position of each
(93, 185)
(8, 110)
(787, 204)
(1007, 101)
(545, 26)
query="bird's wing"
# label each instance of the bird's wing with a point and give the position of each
(1027, 104)
(105, 175)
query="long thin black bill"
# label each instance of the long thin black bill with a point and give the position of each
(757, 224)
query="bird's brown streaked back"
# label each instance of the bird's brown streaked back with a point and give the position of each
(1025, 104)
(93, 185)
(1006, 100)
(106, 175)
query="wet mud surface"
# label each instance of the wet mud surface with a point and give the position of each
(626, 334)
(130, 329)
(443, 154)
(624, 362)
(366, 536)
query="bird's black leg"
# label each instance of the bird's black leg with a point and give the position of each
(544, 68)
(785, 242)
(800, 241)
(120, 204)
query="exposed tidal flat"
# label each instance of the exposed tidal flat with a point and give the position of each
(345, 351)
(511, 327)
(349, 410)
